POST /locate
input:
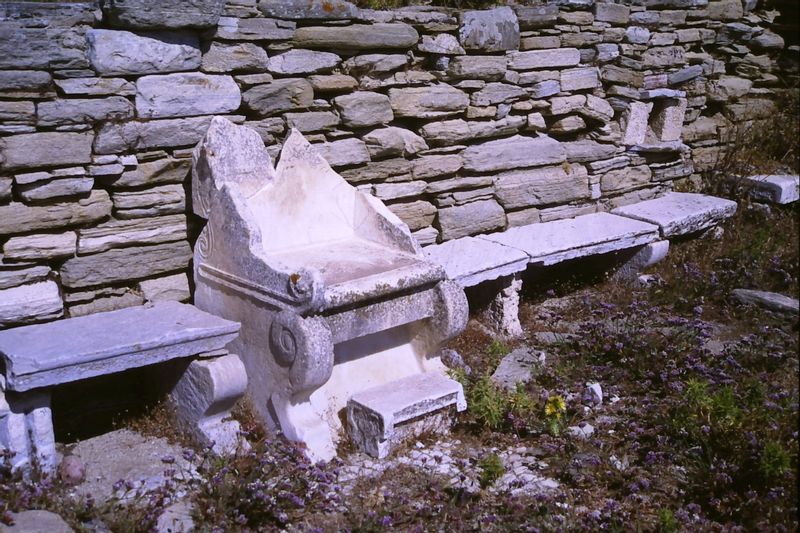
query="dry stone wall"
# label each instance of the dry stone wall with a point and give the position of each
(462, 122)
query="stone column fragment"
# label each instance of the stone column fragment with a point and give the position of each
(26, 428)
(203, 399)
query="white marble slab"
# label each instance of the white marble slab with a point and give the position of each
(69, 350)
(593, 234)
(470, 260)
(775, 188)
(680, 213)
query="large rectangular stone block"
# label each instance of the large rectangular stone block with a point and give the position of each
(28, 303)
(533, 59)
(542, 186)
(124, 52)
(124, 264)
(356, 37)
(513, 152)
(428, 102)
(471, 218)
(42, 48)
(135, 135)
(186, 94)
(81, 111)
(20, 218)
(45, 149)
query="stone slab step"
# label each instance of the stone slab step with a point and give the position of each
(374, 415)
(470, 260)
(597, 233)
(774, 188)
(680, 213)
(69, 350)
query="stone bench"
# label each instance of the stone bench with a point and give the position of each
(41, 356)
(380, 417)
(642, 229)
(773, 188)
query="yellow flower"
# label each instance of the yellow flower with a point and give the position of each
(555, 406)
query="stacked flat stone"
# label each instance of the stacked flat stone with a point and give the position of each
(463, 122)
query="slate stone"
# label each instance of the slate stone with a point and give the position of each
(513, 152)
(170, 198)
(308, 9)
(42, 48)
(279, 96)
(679, 213)
(538, 16)
(174, 288)
(769, 300)
(141, 135)
(29, 303)
(332, 83)
(393, 141)
(587, 150)
(727, 88)
(34, 150)
(579, 78)
(298, 61)
(489, 68)
(18, 112)
(497, 93)
(471, 218)
(168, 14)
(541, 186)
(457, 131)
(344, 152)
(489, 30)
(432, 166)
(79, 348)
(613, 13)
(122, 233)
(95, 87)
(237, 57)
(516, 367)
(416, 215)
(24, 81)
(13, 275)
(625, 178)
(312, 121)
(362, 108)
(123, 52)
(394, 191)
(254, 29)
(186, 94)
(65, 111)
(124, 264)
(55, 188)
(441, 43)
(371, 64)
(534, 59)
(663, 57)
(356, 37)
(40, 246)
(428, 102)
(153, 172)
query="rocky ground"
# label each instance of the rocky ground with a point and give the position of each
(665, 404)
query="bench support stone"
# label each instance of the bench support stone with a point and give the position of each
(26, 429)
(502, 313)
(203, 399)
(646, 256)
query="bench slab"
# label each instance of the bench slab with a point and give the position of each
(69, 350)
(775, 188)
(374, 415)
(680, 213)
(470, 260)
(597, 233)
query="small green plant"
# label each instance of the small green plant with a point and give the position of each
(497, 349)
(775, 460)
(491, 469)
(487, 402)
(666, 521)
(554, 411)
